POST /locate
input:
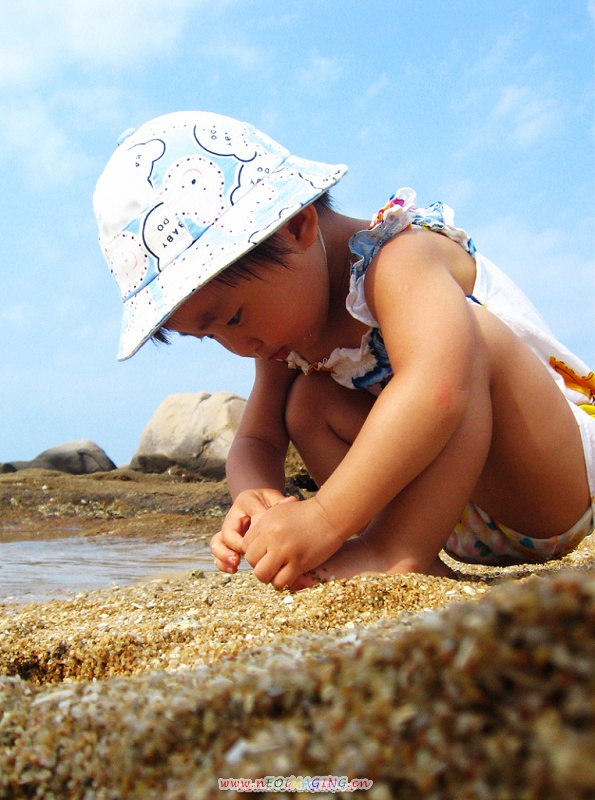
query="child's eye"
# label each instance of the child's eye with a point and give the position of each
(235, 320)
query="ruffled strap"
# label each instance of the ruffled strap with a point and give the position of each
(400, 202)
(440, 218)
(393, 218)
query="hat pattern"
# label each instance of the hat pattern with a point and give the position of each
(185, 196)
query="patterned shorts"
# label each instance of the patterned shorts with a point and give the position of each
(479, 539)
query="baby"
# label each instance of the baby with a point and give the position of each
(425, 394)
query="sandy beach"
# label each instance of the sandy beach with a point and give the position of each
(479, 687)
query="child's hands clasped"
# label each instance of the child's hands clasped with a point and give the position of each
(228, 544)
(280, 537)
(288, 540)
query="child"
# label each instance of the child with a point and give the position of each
(423, 391)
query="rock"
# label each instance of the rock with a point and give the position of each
(80, 457)
(194, 431)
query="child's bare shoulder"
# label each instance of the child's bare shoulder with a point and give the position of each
(416, 251)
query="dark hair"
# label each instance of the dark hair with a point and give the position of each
(270, 252)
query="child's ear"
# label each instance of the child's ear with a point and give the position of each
(303, 228)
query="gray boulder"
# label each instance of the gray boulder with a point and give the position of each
(81, 457)
(193, 431)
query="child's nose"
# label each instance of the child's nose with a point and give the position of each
(245, 346)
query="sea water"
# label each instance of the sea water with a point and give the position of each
(43, 569)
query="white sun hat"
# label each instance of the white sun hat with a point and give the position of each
(182, 198)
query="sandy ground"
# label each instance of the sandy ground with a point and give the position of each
(479, 687)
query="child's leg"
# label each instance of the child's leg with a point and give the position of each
(535, 477)
(323, 419)
(517, 454)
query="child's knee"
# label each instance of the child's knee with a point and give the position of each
(317, 404)
(303, 405)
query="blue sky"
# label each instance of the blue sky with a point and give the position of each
(487, 106)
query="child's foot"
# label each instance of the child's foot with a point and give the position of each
(356, 558)
(353, 558)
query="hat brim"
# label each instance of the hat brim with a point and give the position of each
(266, 207)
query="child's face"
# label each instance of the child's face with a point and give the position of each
(287, 309)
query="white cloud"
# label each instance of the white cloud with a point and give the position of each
(320, 72)
(29, 135)
(117, 33)
(375, 89)
(459, 191)
(19, 316)
(513, 94)
(525, 114)
(505, 100)
(52, 56)
(40, 37)
(241, 53)
(59, 64)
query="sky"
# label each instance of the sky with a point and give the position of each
(486, 106)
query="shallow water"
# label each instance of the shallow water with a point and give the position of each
(54, 568)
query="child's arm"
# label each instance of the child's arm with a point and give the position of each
(431, 337)
(255, 464)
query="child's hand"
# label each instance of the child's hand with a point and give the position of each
(228, 544)
(288, 540)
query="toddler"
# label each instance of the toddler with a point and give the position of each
(425, 394)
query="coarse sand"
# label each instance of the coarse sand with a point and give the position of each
(479, 687)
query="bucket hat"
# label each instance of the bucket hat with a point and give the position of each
(182, 198)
